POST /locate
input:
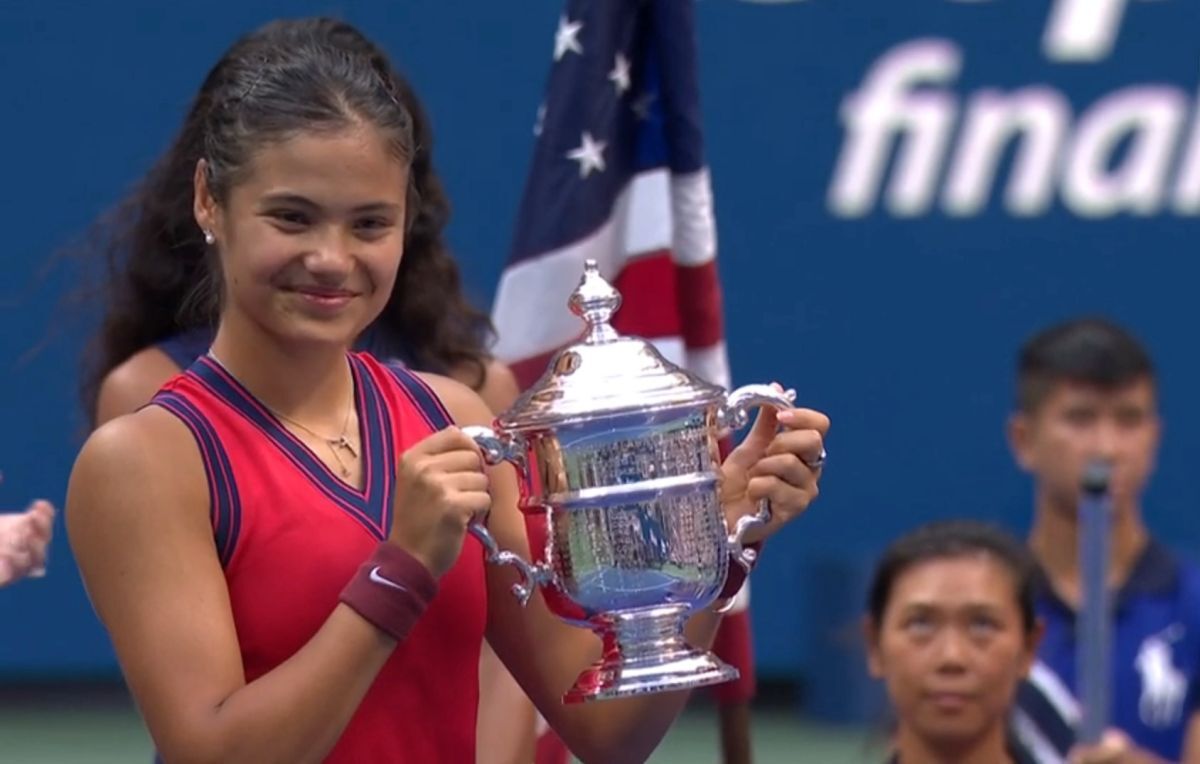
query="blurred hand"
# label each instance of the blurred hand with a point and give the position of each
(1114, 747)
(24, 537)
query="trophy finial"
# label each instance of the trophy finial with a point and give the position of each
(595, 300)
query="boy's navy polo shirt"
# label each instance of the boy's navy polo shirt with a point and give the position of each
(1156, 663)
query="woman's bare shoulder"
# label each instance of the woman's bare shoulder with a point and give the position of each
(147, 456)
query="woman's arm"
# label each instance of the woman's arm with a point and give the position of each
(137, 512)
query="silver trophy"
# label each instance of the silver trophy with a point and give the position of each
(616, 449)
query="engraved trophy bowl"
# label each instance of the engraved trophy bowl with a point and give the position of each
(616, 449)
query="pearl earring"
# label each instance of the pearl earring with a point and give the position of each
(209, 239)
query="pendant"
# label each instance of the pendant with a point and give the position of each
(343, 443)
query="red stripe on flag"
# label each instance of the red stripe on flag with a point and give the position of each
(648, 297)
(700, 304)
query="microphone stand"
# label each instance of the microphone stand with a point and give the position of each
(1094, 624)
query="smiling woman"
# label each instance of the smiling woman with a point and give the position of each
(163, 288)
(951, 631)
(277, 544)
(284, 207)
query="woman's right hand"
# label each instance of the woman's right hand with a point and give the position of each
(441, 486)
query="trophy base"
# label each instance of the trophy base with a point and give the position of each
(644, 652)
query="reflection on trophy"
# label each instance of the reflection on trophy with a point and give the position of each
(616, 449)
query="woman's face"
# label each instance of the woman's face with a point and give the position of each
(312, 235)
(952, 647)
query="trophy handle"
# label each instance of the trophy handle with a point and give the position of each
(736, 414)
(497, 447)
(505, 448)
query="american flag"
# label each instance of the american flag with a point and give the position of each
(618, 176)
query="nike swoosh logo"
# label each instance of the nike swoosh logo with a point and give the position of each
(386, 581)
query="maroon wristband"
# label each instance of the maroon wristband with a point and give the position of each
(391, 590)
(737, 574)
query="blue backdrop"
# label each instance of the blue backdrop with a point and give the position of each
(883, 247)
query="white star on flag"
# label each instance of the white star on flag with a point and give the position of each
(590, 155)
(567, 37)
(641, 106)
(619, 75)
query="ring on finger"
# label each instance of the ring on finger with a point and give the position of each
(818, 463)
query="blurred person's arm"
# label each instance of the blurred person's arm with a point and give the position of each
(133, 383)
(1191, 740)
(1191, 734)
(1115, 747)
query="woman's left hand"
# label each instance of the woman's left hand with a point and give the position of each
(782, 465)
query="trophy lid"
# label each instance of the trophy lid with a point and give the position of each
(605, 373)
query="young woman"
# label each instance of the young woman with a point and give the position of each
(278, 545)
(161, 317)
(951, 631)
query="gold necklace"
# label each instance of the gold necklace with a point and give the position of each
(335, 445)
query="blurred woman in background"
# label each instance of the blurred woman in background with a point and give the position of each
(951, 631)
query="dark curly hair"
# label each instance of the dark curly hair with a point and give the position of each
(161, 279)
